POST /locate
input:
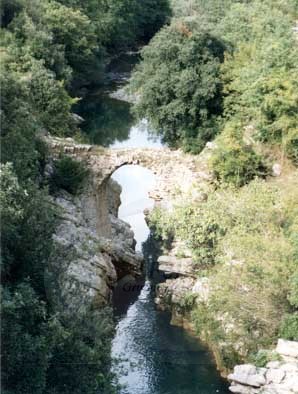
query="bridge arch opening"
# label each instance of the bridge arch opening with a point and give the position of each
(136, 182)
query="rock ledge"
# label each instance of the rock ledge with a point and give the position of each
(279, 377)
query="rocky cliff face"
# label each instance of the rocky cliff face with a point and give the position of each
(278, 377)
(90, 260)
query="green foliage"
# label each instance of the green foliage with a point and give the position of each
(293, 296)
(51, 101)
(246, 238)
(27, 242)
(48, 51)
(203, 13)
(24, 342)
(265, 356)
(11, 211)
(69, 174)
(260, 86)
(162, 224)
(80, 356)
(151, 16)
(52, 355)
(289, 327)
(256, 82)
(120, 23)
(198, 226)
(181, 98)
(235, 162)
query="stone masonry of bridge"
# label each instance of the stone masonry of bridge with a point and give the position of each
(177, 174)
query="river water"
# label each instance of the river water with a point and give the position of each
(154, 357)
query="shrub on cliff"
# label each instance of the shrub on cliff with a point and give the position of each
(235, 162)
(57, 354)
(25, 350)
(69, 174)
(80, 357)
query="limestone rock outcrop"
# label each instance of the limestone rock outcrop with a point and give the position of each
(87, 264)
(278, 377)
(98, 248)
(173, 294)
(174, 265)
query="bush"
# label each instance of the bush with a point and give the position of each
(81, 353)
(237, 165)
(245, 240)
(289, 327)
(57, 354)
(291, 146)
(293, 295)
(235, 162)
(259, 73)
(69, 175)
(265, 356)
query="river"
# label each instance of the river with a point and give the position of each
(153, 356)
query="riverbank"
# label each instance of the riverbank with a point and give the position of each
(222, 300)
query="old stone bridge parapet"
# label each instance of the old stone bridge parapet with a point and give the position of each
(176, 172)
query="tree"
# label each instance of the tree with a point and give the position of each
(25, 349)
(179, 82)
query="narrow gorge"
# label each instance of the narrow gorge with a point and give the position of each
(148, 199)
(148, 284)
(155, 355)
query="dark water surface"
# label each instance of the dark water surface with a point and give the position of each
(155, 357)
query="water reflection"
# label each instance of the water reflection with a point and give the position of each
(140, 135)
(158, 358)
(106, 120)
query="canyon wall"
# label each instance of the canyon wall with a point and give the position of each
(95, 248)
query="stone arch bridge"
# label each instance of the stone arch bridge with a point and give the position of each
(177, 174)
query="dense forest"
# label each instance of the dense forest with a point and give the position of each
(222, 70)
(51, 52)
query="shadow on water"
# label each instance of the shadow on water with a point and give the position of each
(128, 289)
(156, 357)
(106, 120)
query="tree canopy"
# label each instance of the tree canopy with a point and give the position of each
(180, 86)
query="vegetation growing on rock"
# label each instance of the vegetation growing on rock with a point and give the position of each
(68, 174)
(244, 241)
(191, 97)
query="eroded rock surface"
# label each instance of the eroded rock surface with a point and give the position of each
(278, 377)
(174, 265)
(89, 264)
